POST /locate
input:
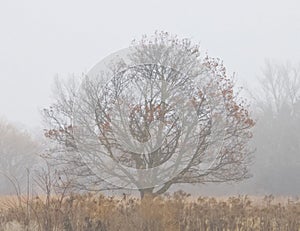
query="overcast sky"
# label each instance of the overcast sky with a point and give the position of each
(39, 39)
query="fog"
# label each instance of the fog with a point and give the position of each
(40, 40)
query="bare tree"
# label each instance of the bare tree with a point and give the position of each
(17, 154)
(279, 87)
(163, 115)
(276, 135)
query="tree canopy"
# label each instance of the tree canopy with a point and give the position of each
(163, 115)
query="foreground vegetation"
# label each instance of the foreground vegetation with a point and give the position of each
(90, 212)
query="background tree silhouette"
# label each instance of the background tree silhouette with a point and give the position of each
(277, 134)
(17, 154)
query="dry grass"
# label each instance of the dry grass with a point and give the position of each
(177, 212)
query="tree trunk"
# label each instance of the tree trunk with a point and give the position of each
(147, 193)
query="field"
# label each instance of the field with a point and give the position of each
(91, 212)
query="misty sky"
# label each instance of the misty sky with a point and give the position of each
(39, 39)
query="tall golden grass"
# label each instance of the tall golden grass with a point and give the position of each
(94, 212)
